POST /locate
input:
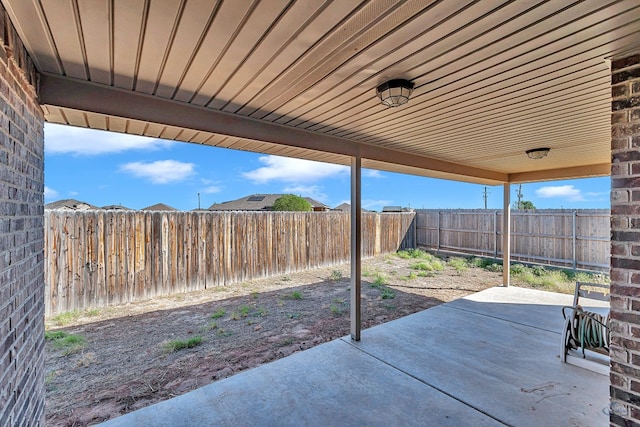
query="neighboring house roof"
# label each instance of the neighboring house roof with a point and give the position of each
(396, 209)
(260, 202)
(70, 204)
(116, 208)
(346, 207)
(159, 207)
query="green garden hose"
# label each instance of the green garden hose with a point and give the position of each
(587, 329)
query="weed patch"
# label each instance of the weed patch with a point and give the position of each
(387, 293)
(554, 280)
(296, 295)
(494, 267)
(219, 313)
(412, 253)
(177, 345)
(335, 276)
(66, 318)
(379, 282)
(241, 312)
(260, 312)
(212, 325)
(67, 343)
(335, 310)
(412, 275)
(459, 264)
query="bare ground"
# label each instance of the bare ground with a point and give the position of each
(124, 365)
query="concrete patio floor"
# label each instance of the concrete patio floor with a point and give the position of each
(489, 359)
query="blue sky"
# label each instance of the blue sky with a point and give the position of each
(106, 168)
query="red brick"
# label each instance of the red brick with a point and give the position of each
(630, 155)
(631, 236)
(626, 210)
(625, 263)
(624, 290)
(621, 90)
(630, 61)
(620, 223)
(618, 276)
(620, 143)
(625, 130)
(621, 381)
(619, 249)
(619, 169)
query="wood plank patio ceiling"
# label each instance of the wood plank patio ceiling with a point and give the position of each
(493, 77)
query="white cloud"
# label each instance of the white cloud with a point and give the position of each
(161, 171)
(371, 173)
(61, 139)
(211, 189)
(293, 170)
(50, 193)
(604, 195)
(568, 192)
(313, 191)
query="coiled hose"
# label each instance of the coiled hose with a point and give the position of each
(587, 329)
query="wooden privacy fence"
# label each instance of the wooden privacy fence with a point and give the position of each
(570, 238)
(99, 258)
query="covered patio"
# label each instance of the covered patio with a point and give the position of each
(488, 359)
(504, 92)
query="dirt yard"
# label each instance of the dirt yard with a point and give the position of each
(125, 363)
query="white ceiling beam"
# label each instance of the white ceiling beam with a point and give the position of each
(85, 96)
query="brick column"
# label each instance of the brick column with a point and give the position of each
(625, 241)
(21, 236)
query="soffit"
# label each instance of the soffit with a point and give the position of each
(493, 78)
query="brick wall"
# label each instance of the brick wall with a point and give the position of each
(21, 236)
(625, 241)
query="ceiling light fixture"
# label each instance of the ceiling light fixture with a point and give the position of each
(538, 153)
(395, 92)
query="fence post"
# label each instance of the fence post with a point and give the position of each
(438, 238)
(495, 234)
(574, 239)
(415, 230)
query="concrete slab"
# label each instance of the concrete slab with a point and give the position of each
(332, 384)
(543, 309)
(490, 359)
(498, 366)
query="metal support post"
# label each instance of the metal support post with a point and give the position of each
(506, 237)
(356, 244)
